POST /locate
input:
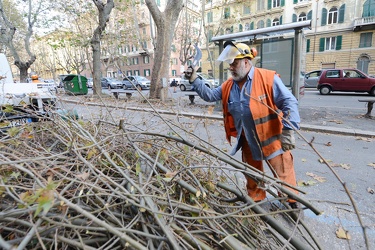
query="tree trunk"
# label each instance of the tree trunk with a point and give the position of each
(165, 23)
(104, 13)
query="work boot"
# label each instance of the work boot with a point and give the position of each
(297, 212)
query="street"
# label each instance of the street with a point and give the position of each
(351, 158)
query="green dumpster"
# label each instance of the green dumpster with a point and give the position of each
(75, 85)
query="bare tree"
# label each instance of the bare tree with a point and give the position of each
(165, 23)
(103, 16)
(22, 60)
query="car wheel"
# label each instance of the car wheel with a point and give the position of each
(109, 87)
(325, 90)
(124, 87)
(372, 91)
(182, 87)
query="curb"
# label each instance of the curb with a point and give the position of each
(304, 127)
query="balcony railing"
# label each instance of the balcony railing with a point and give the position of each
(364, 21)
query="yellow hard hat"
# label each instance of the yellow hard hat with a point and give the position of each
(34, 77)
(236, 51)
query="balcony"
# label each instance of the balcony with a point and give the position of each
(364, 23)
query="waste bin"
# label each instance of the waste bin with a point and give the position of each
(75, 85)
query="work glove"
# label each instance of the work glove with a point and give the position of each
(191, 74)
(287, 139)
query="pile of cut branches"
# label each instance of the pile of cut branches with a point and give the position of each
(68, 184)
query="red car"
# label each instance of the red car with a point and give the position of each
(345, 80)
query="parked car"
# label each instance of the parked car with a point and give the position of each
(346, 80)
(140, 82)
(209, 81)
(90, 82)
(311, 78)
(111, 83)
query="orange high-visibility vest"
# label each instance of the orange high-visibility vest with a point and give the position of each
(268, 124)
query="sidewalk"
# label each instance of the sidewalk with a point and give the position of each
(318, 119)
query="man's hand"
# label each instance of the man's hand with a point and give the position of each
(191, 74)
(287, 140)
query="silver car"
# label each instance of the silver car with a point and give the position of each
(311, 78)
(140, 82)
(209, 81)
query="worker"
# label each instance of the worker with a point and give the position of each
(251, 99)
(35, 79)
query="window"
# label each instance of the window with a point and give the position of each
(158, 2)
(240, 28)
(226, 13)
(129, 73)
(363, 63)
(365, 40)
(275, 3)
(302, 17)
(328, 65)
(210, 35)
(135, 60)
(146, 59)
(260, 5)
(136, 72)
(246, 10)
(275, 22)
(368, 8)
(174, 61)
(332, 15)
(129, 61)
(146, 72)
(330, 43)
(247, 26)
(209, 17)
(260, 24)
(333, 74)
(174, 72)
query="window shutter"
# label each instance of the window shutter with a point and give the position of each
(308, 45)
(282, 3)
(269, 4)
(309, 15)
(338, 42)
(324, 17)
(341, 14)
(251, 25)
(294, 18)
(281, 20)
(268, 22)
(240, 28)
(295, 1)
(321, 44)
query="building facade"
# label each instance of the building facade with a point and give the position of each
(341, 33)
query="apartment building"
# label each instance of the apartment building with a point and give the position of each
(341, 33)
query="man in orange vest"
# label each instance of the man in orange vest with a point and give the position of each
(252, 99)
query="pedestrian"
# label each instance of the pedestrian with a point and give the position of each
(251, 99)
(174, 85)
